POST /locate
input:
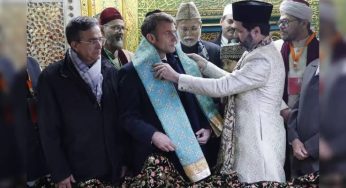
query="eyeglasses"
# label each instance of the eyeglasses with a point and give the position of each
(116, 27)
(94, 41)
(285, 22)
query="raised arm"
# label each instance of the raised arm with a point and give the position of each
(253, 74)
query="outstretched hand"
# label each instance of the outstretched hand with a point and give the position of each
(165, 71)
(201, 62)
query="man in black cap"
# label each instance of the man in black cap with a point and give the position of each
(254, 144)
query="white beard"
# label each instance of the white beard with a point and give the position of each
(118, 43)
(189, 43)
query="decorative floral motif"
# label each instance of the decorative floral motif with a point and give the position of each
(159, 172)
(45, 30)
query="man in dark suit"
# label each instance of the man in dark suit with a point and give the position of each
(303, 127)
(189, 27)
(26, 126)
(11, 168)
(333, 117)
(78, 110)
(226, 35)
(139, 118)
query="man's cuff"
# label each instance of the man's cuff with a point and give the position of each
(182, 82)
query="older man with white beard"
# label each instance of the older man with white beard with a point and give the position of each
(189, 25)
(113, 27)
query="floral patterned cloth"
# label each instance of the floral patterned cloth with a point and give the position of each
(159, 172)
(46, 182)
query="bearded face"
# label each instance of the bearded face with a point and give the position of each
(114, 33)
(290, 27)
(248, 42)
(189, 31)
(244, 35)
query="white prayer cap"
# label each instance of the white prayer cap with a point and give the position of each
(228, 10)
(187, 11)
(296, 8)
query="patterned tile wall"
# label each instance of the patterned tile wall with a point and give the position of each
(46, 40)
(45, 31)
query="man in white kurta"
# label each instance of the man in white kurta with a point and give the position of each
(257, 84)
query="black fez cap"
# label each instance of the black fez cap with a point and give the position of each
(251, 11)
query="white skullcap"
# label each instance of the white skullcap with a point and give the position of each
(296, 8)
(187, 11)
(228, 10)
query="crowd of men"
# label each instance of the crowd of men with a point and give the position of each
(98, 115)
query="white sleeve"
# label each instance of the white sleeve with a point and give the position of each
(213, 71)
(253, 74)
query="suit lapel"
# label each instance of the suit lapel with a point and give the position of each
(70, 72)
(308, 75)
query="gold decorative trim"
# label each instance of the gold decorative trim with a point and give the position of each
(216, 124)
(197, 171)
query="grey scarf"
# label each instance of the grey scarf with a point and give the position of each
(92, 76)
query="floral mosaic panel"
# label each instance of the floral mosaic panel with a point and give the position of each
(211, 9)
(45, 30)
(134, 12)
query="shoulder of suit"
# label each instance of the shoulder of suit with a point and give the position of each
(53, 68)
(278, 44)
(128, 67)
(128, 54)
(210, 45)
(265, 52)
(33, 63)
(212, 49)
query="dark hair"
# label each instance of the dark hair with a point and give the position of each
(264, 27)
(150, 23)
(77, 24)
(152, 12)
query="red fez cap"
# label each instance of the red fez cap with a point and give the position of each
(109, 14)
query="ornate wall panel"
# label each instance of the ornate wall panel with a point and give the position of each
(94, 7)
(45, 31)
(130, 13)
(210, 10)
(47, 19)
